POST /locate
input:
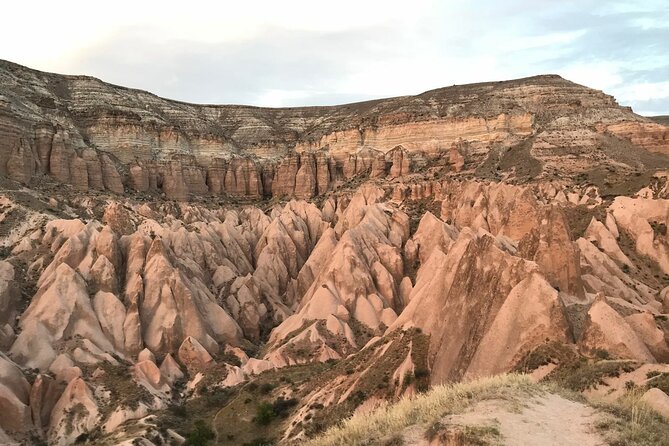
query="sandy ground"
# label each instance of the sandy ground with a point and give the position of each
(548, 420)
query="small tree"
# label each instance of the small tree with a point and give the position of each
(264, 414)
(200, 435)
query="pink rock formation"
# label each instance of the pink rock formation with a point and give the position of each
(658, 401)
(193, 355)
(607, 330)
(549, 245)
(467, 307)
(76, 409)
(14, 398)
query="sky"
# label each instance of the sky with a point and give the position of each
(289, 53)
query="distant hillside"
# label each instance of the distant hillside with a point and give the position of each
(661, 119)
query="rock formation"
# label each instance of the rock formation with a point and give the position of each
(156, 255)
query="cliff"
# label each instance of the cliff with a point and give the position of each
(93, 135)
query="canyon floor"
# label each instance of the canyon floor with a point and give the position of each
(479, 264)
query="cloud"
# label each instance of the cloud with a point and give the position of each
(277, 65)
(299, 52)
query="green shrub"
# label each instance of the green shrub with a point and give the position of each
(264, 414)
(200, 435)
(602, 354)
(281, 406)
(266, 388)
(230, 358)
(653, 374)
(179, 411)
(660, 381)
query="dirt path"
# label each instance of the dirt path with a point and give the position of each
(548, 420)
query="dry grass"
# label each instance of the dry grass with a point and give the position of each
(630, 422)
(426, 409)
(626, 422)
(465, 435)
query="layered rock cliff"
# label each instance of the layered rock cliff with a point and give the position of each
(96, 136)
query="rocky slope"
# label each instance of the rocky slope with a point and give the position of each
(165, 264)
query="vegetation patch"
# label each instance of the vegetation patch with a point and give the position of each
(416, 209)
(183, 416)
(264, 414)
(372, 376)
(362, 333)
(229, 358)
(580, 216)
(465, 435)
(586, 374)
(631, 423)
(258, 412)
(428, 409)
(419, 351)
(211, 382)
(549, 353)
(573, 371)
(73, 415)
(289, 336)
(200, 435)
(646, 270)
(658, 380)
(124, 390)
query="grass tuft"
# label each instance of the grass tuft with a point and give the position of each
(630, 422)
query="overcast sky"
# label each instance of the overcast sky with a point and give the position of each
(282, 52)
